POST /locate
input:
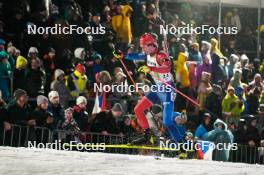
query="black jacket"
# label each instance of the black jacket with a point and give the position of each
(41, 116)
(81, 117)
(35, 81)
(20, 79)
(213, 103)
(18, 115)
(105, 121)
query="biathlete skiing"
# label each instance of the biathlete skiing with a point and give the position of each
(158, 65)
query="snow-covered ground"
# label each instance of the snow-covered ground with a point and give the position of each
(40, 161)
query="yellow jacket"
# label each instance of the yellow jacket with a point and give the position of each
(215, 47)
(182, 72)
(76, 83)
(122, 26)
(231, 104)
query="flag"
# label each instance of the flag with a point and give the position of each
(99, 103)
(205, 150)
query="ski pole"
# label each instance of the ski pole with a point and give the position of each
(120, 56)
(185, 96)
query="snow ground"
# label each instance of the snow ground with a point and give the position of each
(28, 161)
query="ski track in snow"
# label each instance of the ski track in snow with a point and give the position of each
(26, 161)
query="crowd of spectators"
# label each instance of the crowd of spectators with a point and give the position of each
(48, 80)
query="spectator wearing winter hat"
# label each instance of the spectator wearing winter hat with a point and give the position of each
(175, 126)
(20, 73)
(5, 72)
(55, 108)
(35, 79)
(80, 114)
(58, 85)
(77, 81)
(19, 111)
(32, 53)
(79, 56)
(106, 122)
(41, 115)
(69, 124)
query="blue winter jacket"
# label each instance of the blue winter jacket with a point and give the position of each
(200, 131)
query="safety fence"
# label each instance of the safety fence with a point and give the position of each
(41, 137)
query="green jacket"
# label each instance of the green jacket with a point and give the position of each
(233, 105)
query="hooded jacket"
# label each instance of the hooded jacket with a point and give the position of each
(204, 89)
(122, 26)
(219, 135)
(182, 72)
(230, 104)
(215, 48)
(223, 136)
(21, 62)
(236, 79)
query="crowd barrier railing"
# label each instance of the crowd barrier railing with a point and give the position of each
(21, 136)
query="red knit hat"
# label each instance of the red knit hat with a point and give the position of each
(80, 68)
